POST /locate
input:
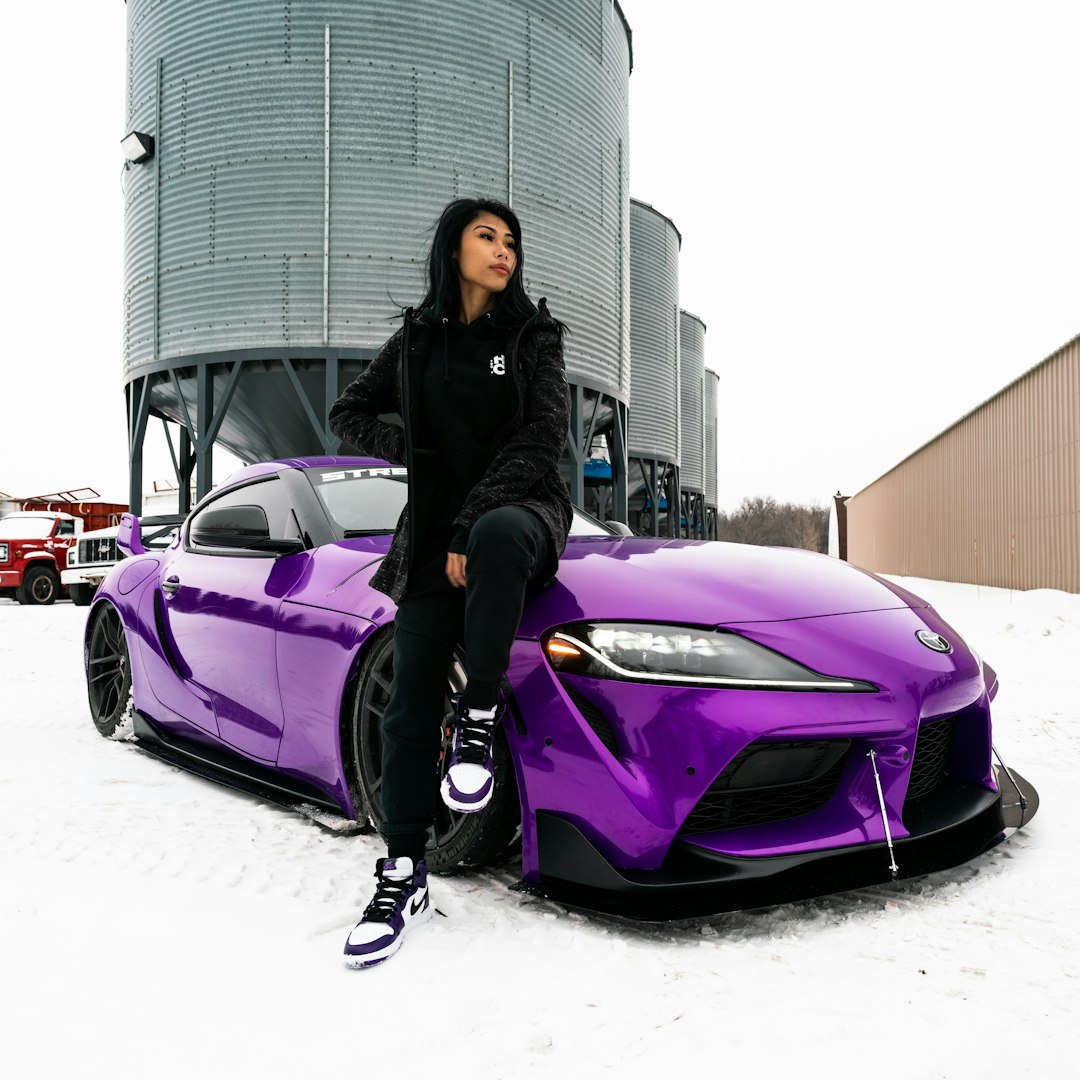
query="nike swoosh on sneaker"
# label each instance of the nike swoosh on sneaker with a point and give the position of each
(416, 905)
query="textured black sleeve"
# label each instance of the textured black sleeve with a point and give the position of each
(354, 417)
(536, 447)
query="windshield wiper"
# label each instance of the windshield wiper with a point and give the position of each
(350, 533)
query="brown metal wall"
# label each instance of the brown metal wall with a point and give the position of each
(994, 500)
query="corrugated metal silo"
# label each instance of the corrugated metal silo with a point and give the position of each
(654, 334)
(692, 401)
(303, 152)
(653, 423)
(692, 422)
(712, 487)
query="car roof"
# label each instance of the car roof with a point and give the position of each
(265, 468)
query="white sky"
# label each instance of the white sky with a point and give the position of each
(878, 208)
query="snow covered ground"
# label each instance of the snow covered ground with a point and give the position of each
(152, 923)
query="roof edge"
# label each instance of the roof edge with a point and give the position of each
(971, 412)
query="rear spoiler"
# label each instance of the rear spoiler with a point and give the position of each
(131, 539)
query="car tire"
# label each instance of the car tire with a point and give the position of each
(40, 587)
(108, 675)
(82, 593)
(456, 841)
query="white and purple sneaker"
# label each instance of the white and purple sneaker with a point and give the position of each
(401, 901)
(470, 779)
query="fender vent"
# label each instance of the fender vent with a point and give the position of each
(595, 719)
(165, 639)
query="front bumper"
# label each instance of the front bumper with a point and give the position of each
(963, 822)
(85, 575)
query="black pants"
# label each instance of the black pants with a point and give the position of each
(508, 547)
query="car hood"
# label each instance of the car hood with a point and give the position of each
(704, 583)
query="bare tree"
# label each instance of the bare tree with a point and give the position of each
(760, 519)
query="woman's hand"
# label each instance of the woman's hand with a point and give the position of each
(455, 569)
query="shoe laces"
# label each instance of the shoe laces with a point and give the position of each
(473, 738)
(389, 895)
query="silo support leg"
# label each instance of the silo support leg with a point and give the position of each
(574, 438)
(617, 453)
(318, 425)
(187, 465)
(204, 447)
(138, 412)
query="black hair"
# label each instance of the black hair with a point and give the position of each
(443, 289)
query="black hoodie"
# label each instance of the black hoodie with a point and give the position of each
(524, 467)
(466, 395)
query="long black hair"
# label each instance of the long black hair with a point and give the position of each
(443, 288)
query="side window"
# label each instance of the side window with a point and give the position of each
(270, 495)
(67, 528)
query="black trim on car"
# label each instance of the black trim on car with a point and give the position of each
(694, 882)
(232, 770)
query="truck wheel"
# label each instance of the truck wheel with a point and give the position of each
(81, 593)
(40, 587)
(108, 675)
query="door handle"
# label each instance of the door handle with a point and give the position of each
(171, 585)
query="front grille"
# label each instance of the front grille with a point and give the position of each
(931, 756)
(99, 550)
(595, 719)
(770, 781)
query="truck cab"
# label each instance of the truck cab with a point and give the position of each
(33, 549)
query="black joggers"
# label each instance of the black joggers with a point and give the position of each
(507, 549)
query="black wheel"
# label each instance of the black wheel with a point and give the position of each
(456, 841)
(108, 675)
(40, 587)
(81, 593)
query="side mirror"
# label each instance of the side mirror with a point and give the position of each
(241, 527)
(620, 527)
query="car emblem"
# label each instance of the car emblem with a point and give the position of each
(933, 641)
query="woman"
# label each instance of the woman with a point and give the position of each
(476, 373)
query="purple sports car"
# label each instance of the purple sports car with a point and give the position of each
(692, 726)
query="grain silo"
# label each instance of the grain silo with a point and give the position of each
(712, 485)
(278, 215)
(653, 423)
(692, 422)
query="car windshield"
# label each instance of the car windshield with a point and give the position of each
(368, 501)
(364, 501)
(19, 527)
(586, 525)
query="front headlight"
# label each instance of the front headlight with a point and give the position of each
(682, 654)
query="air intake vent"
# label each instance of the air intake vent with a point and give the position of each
(931, 756)
(770, 781)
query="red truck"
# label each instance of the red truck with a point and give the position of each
(34, 542)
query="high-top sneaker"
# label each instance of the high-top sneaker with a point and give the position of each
(401, 901)
(470, 780)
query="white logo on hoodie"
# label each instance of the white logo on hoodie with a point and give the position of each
(498, 365)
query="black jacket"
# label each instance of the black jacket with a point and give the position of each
(524, 467)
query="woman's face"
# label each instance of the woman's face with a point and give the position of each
(487, 255)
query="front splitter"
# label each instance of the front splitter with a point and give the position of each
(695, 882)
